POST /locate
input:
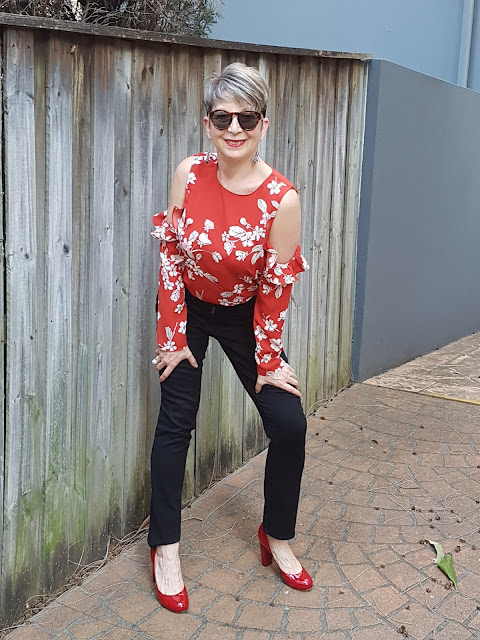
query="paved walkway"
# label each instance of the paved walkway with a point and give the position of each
(386, 469)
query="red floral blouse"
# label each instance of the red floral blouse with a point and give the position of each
(218, 248)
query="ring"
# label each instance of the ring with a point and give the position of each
(155, 361)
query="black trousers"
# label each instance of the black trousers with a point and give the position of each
(282, 414)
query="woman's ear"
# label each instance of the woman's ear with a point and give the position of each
(206, 124)
(265, 123)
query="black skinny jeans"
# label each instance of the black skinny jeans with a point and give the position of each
(282, 414)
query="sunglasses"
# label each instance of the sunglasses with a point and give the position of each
(248, 120)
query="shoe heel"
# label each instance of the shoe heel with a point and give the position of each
(266, 556)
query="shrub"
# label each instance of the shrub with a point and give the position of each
(183, 17)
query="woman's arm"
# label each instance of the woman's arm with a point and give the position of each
(283, 262)
(284, 234)
(172, 345)
(177, 190)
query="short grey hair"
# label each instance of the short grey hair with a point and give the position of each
(239, 82)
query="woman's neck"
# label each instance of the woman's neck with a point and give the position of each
(244, 177)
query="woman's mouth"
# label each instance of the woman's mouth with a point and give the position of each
(234, 143)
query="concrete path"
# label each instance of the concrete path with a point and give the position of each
(386, 469)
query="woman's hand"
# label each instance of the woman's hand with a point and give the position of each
(168, 360)
(285, 378)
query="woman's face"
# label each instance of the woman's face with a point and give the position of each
(234, 142)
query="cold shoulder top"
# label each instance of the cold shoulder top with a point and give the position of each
(218, 248)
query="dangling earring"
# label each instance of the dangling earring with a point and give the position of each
(256, 158)
(208, 157)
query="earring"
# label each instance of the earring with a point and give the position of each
(208, 157)
(256, 158)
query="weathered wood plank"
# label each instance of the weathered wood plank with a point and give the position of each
(81, 270)
(23, 485)
(142, 379)
(336, 228)
(354, 144)
(3, 323)
(320, 225)
(304, 179)
(120, 429)
(60, 526)
(100, 320)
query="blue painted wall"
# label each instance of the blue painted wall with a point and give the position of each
(418, 261)
(423, 35)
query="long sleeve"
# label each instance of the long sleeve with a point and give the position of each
(271, 306)
(171, 308)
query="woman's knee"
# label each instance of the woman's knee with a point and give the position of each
(288, 427)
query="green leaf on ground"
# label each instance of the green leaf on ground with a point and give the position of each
(444, 562)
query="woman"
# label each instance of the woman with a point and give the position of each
(228, 257)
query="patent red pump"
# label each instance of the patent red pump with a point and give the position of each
(177, 603)
(300, 581)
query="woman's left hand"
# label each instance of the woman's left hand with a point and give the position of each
(285, 378)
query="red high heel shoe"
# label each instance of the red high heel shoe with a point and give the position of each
(301, 581)
(177, 603)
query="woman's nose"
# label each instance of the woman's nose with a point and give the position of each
(234, 126)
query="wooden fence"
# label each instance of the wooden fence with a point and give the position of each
(93, 126)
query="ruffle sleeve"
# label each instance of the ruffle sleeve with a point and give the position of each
(171, 309)
(271, 308)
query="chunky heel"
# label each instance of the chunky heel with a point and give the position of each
(300, 581)
(266, 556)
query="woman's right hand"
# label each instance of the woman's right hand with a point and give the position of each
(168, 360)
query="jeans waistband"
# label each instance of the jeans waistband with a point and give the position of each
(208, 308)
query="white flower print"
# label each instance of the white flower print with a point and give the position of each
(270, 324)
(179, 308)
(170, 344)
(191, 178)
(259, 333)
(182, 327)
(208, 225)
(238, 288)
(238, 300)
(275, 187)
(289, 279)
(229, 247)
(216, 256)
(226, 294)
(258, 233)
(257, 253)
(237, 232)
(241, 255)
(266, 357)
(283, 315)
(276, 344)
(266, 289)
(203, 239)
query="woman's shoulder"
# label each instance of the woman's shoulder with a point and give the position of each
(278, 184)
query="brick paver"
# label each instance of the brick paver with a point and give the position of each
(386, 469)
